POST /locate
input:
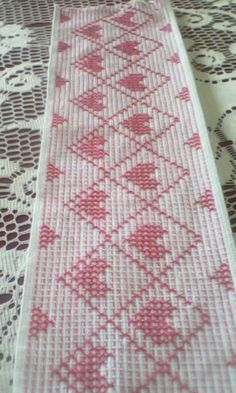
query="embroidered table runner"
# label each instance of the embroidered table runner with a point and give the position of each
(129, 285)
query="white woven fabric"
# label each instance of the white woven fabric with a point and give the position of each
(129, 286)
(208, 29)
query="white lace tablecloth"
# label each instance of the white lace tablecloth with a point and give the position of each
(209, 31)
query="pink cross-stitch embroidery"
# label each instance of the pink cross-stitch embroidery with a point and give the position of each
(206, 200)
(92, 101)
(92, 204)
(91, 31)
(53, 172)
(223, 276)
(64, 18)
(175, 58)
(167, 28)
(133, 82)
(47, 236)
(93, 146)
(130, 48)
(84, 278)
(62, 46)
(126, 19)
(130, 287)
(138, 123)
(60, 81)
(149, 240)
(184, 94)
(143, 175)
(194, 141)
(92, 63)
(153, 321)
(81, 371)
(57, 120)
(39, 322)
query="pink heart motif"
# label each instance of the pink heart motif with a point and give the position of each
(133, 82)
(57, 120)
(62, 46)
(167, 28)
(92, 63)
(129, 48)
(175, 58)
(64, 18)
(93, 101)
(138, 123)
(47, 236)
(184, 94)
(60, 81)
(148, 239)
(125, 19)
(53, 172)
(151, 319)
(194, 141)
(92, 31)
(143, 175)
(93, 146)
(93, 204)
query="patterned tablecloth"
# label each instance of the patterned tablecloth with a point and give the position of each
(209, 31)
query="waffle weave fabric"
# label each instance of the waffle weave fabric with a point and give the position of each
(129, 286)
